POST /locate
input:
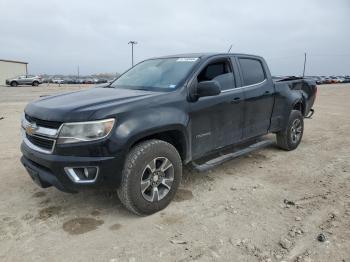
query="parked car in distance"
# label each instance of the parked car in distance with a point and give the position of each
(89, 81)
(24, 80)
(323, 80)
(335, 79)
(69, 81)
(318, 80)
(57, 81)
(101, 81)
(328, 80)
(341, 79)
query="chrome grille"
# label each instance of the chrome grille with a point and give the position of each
(40, 135)
(41, 142)
(43, 123)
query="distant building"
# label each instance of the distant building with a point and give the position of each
(9, 68)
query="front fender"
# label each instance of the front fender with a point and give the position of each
(139, 124)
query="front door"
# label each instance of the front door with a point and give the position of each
(216, 121)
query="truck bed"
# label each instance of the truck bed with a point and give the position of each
(307, 87)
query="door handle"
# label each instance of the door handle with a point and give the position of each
(267, 92)
(236, 100)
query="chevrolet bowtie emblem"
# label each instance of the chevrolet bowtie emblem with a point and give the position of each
(31, 128)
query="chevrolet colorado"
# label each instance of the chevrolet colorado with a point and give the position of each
(136, 133)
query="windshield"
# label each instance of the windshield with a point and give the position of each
(163, 74)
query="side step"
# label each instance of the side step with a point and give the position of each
(221, 159)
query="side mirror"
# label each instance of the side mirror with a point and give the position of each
(208, 88)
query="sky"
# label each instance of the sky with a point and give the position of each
(55, 36)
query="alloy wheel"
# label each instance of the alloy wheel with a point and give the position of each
(296, 130)
(157, 179)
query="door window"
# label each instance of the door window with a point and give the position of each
(252, 71)
(219, 71)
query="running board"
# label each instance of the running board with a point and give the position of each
(221, 159)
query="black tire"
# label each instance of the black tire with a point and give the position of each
(291, 136)
(136, 167)
(14, 83)
(35, 83)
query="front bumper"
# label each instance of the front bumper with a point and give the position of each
(48, 169)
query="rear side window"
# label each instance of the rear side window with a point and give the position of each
(252, 71)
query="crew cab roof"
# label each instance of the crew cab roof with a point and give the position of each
(206, 55)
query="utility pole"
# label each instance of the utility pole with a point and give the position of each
(132, 51)
(304, 64)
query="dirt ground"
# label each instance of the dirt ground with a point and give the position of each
(270, 205)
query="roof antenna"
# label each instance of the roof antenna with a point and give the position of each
(229, 50)
(304, 65)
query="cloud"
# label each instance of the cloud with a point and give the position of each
(56, 36)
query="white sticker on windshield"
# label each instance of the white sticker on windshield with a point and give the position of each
(187, 59)
(172, 86)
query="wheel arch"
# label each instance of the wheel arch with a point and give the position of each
(174, 135)
(300, 106)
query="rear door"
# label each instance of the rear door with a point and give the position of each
(216, 121)
(29, 79)
(258, 92)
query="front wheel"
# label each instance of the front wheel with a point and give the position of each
(291, 136)
(35, 83)
(14, 84)
(151, 175)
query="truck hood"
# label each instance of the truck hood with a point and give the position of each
(81, 105)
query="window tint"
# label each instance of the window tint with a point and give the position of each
(218, 71)
(252, 71)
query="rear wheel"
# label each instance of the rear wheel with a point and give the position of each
(151, 176)
(291, 136)
(14, 83)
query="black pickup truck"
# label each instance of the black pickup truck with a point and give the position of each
(136, 133)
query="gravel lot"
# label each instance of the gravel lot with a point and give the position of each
(270, 205)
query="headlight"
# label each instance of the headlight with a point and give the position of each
(85, 131)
